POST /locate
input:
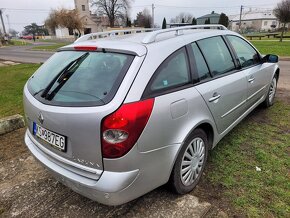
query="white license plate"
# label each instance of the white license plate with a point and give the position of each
(54, 139)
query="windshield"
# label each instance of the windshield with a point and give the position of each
(76, 78)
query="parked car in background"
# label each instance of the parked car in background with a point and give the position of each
(117, 117)
(28, 37)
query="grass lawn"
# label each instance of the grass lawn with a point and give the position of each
(50, 47)
(261, 140)
(273, 47)
(12, 80)
(20, 42)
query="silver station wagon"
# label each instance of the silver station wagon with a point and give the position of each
(117, 114)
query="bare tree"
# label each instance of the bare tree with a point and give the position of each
(64, 18)
(282, 12)
(186, 17)
(143, 19)
(51, 22)
(113, 9)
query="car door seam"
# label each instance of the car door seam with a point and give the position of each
(234, 108)
(249, 98)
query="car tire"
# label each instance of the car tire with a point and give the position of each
(190, 163)
(269, 101)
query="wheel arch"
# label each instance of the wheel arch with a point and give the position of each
(277, 72)
(208, 129)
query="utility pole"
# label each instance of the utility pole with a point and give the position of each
(1, 12)
(7, 15)
(153, 7)
(240, 22)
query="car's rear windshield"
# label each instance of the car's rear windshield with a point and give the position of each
(79, 78)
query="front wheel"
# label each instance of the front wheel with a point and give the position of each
(269, 101)
(190, 163)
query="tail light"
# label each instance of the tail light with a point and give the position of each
(121, 129)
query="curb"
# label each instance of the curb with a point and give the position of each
(11, 123)
(284, 58)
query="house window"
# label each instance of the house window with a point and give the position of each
(83, 7)
(265, 23)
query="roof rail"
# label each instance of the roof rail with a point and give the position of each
(112, 33)
(152, 36)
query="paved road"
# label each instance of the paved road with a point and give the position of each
(23, 54)
(284, 81)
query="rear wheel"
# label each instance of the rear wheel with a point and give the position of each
(190, 162)
(269, 101)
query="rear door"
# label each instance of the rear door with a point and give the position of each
(177, 106)
(225, 90)
(256, 73)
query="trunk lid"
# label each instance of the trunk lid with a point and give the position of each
(80, 125)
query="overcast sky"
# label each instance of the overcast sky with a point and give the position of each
(23, 12)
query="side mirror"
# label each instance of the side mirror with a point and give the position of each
(270, 58)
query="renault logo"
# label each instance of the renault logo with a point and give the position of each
(40, 118)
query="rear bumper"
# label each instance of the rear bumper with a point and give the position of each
(109, 189)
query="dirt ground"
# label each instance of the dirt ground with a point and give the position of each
(28, 190)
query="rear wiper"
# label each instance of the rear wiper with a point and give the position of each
(38, 92)
(60, 74)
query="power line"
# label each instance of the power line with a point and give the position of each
(26, 9)
(195, 7)
(27, 23)
(159, 5)
(140, 6)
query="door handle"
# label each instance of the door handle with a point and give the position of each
(251, 79)
(214, 97)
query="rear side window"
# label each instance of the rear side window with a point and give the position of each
(172, 73)
(92, 80)
(200, 65)
(247, 55)
(217, 55)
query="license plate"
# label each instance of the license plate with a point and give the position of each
(54, 139)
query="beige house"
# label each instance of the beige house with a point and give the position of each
(92, 22)
(254, 20)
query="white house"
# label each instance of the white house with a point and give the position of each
(254, 20)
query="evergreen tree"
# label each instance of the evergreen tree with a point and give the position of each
(182, 21)
(164, 23)
(128, 22)
(193, 22)
(224, 20)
